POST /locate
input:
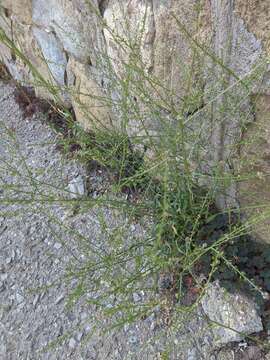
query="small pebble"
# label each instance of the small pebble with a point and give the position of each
(243, 344)
(3, 277)
(59, 299)
(13, 254)
(72, 343)
(79, 336)
(84, 315)
(136, 297)
(19, 298)
(133, 339)
(35, 301)
(76, 187)
(57, 246)
(87, 329)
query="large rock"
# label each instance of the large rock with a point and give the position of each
(231, 316)
(54, 56)
(75, 25)
(129, 28)
(18, 9)
(144, 39)
(54, 32)
(88, 99)
(256, 16)
(45, 65)
(235, 52)
(154, 61)
(220, 319)
(254, 192)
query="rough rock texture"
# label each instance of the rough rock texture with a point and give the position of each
(231, 314)
(162, 48)
(89, 103)
(256, 154)
(256, 16)
(40, 239)
(101, 55)
(50, 35)
(238, 51)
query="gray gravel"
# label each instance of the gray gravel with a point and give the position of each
(36, 249)
(40, 237)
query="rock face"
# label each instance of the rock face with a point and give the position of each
(120, 63)
(256, 154)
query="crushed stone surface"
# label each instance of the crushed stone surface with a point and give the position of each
(35, 247)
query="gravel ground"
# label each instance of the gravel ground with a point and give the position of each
(36, 248)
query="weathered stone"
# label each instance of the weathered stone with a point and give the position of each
(95, 54)
(72, 343)
(89, 101)
(74, 23)
(252, 352)
(76, 187)
(129, 25)
(254, 191)
(146, 33)
(56, 31)
(45, 64)
(256, 16)
(53, 54)
(232, 316)
(175, 62)
(235, 53)
(18, 9)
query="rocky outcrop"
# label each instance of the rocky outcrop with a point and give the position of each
(53, 35)
(120, 63)
(131, 36)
